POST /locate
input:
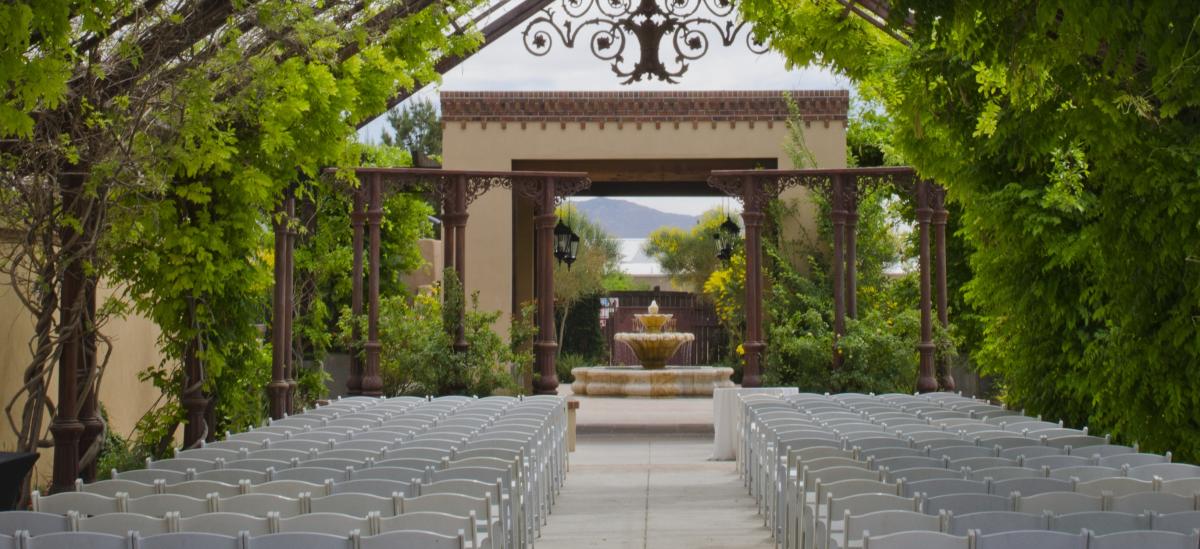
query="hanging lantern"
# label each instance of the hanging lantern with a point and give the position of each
(562, 241)
(572, 250)
(726, 238)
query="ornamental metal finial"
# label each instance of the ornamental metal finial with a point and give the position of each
(650, 22)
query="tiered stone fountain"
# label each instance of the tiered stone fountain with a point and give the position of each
(653, 348)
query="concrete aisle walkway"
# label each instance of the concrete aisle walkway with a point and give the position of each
(651, 491)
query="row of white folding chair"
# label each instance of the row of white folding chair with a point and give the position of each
(429, 448)
(845, 467)
(400, 539)
(339, 511)
(1042, 539)
(1068, 466)
(1059, 502)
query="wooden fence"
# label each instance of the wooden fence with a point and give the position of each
(691, 313)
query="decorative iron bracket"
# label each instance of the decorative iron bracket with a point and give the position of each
(609, 25)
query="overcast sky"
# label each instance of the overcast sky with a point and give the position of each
(505, 65)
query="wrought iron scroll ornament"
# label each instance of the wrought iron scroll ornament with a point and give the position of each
(609, 25)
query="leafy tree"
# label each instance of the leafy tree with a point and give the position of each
(1066, 131)
(417, 126)
(190, 127)
(597, 261)
(689, 257)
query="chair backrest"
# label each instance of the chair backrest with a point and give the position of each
(334, 463)
(83, 503)
(909, 462)
(34, 522)
(1077, 442)
(1059, 503)
(826, 462)
(150, 475)
(209, 453)
(1132, 460)
(201, 489)
(860, 504)
(1099, 522)
(77, 540)
(918, 474)
(305, 444)
(411, 539)
(943, 486)
(232, 476)
(915, 540)
(419, 452)
(883, 453)
(355, 504)
(885, 522)
(962, 504)
(375, 487)
(352, 454)
(285, 455)
(982, 462)
(293, 540)
(189, 540)
(408, 463)
(338, 524)
(1030, 451)
(454, 504)
(397, 474)
(1025, 539)
(482, 474)
(112, 487)
(1142, 538)
(1103, 450)
(869, 443)
(181, 464)
(316, 475)
(960, 452)
(834, 474)
(1084, 473)
(157, 504)
(1056, 462)
(370, 442)
(119, 524)
(474, 488)
(256, 464)
(1181, 486)
(445, 524)
(1157, 502)
(1183, 523)
(228, 524)
(1031, 486)
(989, 522)
(1166, 471)
(260, 505)
(286, 488)
(1117, 486)
(1004, 473)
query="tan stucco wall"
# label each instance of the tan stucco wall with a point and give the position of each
(494, 146)
(124, 397)
(429, 274)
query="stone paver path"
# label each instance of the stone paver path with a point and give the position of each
(652, 491)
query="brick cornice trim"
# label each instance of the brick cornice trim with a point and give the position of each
(690, 106)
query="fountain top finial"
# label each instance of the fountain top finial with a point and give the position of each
(653, 308)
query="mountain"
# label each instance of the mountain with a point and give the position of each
(624, 219)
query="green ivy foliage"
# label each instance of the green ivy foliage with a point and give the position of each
(1066, 131)
(238, 130)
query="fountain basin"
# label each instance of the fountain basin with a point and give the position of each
(654, 348)
(670, 381)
